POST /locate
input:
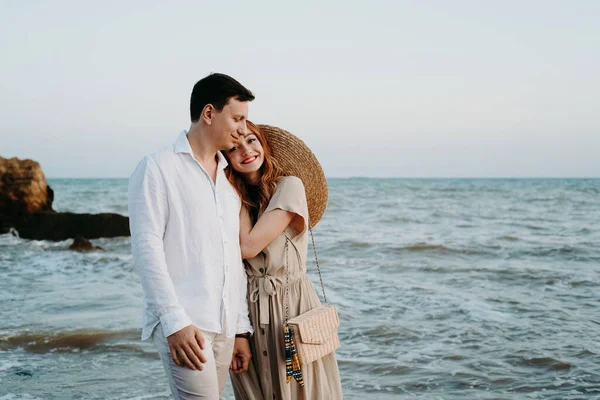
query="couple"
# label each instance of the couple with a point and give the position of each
(198, 207)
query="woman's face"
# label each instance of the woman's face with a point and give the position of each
(247, 156)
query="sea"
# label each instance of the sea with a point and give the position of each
(446, 289)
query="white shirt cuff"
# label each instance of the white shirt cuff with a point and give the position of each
(244, 327)
(174, 321)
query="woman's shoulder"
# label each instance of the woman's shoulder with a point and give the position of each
(290, 183)
(289, 195)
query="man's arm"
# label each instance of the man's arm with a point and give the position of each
(148, 215)
(243, 320)
(240, 361)
(241, 349)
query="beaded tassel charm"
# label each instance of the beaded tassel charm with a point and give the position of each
(292, 363)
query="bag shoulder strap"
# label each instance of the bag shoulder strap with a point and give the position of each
(318, 266)
(287, 269)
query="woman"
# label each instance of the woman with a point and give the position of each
(274, 206)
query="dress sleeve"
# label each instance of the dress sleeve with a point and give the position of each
(290, 196)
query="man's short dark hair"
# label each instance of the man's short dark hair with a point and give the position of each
(216, 89)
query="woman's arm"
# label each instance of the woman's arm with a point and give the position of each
(268, 227)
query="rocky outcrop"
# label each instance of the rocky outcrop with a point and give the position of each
(26, 205)
(23, 191)
(62, 226)
(81, 244)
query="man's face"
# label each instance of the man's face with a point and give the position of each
(230, 123)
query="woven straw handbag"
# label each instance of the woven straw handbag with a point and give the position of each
(311, 335)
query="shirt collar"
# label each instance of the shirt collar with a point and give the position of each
(182, 145)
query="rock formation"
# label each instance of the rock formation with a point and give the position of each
(26, 205)
(23, 191)
(82, 244)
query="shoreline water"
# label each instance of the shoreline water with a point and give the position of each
(446, 289)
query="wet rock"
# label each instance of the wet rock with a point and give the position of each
(23, 191)
(26, 206)
(62, 226)
(82, 244)
(23, 372)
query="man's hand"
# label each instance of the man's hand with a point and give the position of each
(241, 356)
(186, 347)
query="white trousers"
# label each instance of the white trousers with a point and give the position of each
(189, 384)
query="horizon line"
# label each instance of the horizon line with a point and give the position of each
(390, 177)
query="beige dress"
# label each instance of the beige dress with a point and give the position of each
(265, 378)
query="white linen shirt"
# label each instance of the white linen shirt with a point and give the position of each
(185, 244)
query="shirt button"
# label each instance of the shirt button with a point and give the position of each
(265, 352)
(262, 331)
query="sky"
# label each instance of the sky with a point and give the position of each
(375, 88)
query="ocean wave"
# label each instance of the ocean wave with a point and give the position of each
(583, 283)
(585, 353)
(165, 394)
(400, 219)
(6, 365)
(18, 396)
(359, 244)
(571, 252)
(10, 239)
(385, 333)
(545, 362)
(425, 247)
(83, 339)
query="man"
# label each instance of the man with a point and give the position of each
(184, 220)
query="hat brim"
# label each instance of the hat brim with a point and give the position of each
(296, 159)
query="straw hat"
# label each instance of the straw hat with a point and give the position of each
(296, 159)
